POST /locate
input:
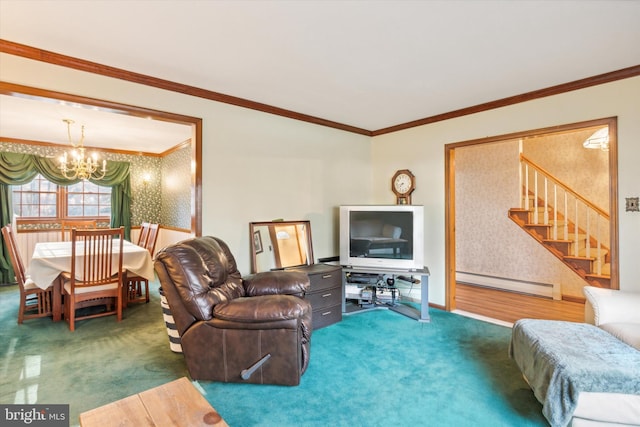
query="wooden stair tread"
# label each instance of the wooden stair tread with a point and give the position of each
(594, 252)
(580, 237)
(547, 225)
(579, 258)
(598, 276)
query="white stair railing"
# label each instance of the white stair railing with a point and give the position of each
(590, 234)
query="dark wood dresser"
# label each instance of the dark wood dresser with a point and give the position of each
(325, 293)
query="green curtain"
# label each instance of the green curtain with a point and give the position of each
(6, 270)
(18, 169)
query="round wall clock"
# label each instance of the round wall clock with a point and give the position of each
(403, 183)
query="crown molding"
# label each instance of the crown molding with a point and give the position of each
(29, 52)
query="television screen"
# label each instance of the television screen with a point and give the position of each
(382, 236)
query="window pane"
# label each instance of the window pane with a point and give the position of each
(75, 188)
(75, 211)
(29, 210)
(90, 187)
(88, 199)
(47, 211)
(91, 210)
(48, 199)
(47, 186)
(35, 199)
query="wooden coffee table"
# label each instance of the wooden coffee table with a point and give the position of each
(177, 403)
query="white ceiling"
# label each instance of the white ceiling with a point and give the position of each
(363, 63)
(37, 120)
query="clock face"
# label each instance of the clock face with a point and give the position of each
(402, 183)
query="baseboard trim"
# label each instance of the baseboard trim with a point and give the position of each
(571, 298)
(548, 290)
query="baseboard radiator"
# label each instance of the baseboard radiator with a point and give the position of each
(548, 290)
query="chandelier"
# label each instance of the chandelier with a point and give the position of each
(77, 165)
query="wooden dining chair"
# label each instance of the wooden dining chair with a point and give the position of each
(150, 245)
(96, 275)
(34, 301)
(67, 225)
(144, 234)
(137, 286)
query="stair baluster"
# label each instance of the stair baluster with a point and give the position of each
(580, 236)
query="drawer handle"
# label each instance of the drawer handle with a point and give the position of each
(326, 295)
(326, 276)
(326, 313)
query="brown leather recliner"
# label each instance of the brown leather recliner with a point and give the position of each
(255, 329)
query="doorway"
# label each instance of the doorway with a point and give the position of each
(455, 201)
(42, 103)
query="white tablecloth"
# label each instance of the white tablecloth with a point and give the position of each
(52, 258)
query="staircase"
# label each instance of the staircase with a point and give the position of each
(569, 226)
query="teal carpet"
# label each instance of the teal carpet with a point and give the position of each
(373, 369)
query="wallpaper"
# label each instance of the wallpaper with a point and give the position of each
(584, 170)
(487, 241)
(175, 209)
(149, 202)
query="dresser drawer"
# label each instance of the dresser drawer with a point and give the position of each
(324, 293)
(325, 298)
(329, 277)
(327, 316)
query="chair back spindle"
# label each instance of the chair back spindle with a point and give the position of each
(144, 234)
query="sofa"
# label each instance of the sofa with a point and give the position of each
(585, 374)
(617, 312)
(254, 329)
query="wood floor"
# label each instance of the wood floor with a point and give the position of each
(510, 306)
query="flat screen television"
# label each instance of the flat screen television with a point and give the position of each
(383, 236)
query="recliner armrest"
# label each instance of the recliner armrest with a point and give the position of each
(609, 306)
(262, 311)
(276, 283)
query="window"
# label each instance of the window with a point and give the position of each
(41, 200)
(88, 199)
(37, 199)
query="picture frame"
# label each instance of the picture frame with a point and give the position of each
(257, 242)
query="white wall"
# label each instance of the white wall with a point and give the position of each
(422, 151)
(256, 166)
(259, 166)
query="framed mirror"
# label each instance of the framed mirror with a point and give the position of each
(277, 245)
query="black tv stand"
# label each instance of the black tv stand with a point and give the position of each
(421, 315)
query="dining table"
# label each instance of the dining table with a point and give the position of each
(50, 259)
